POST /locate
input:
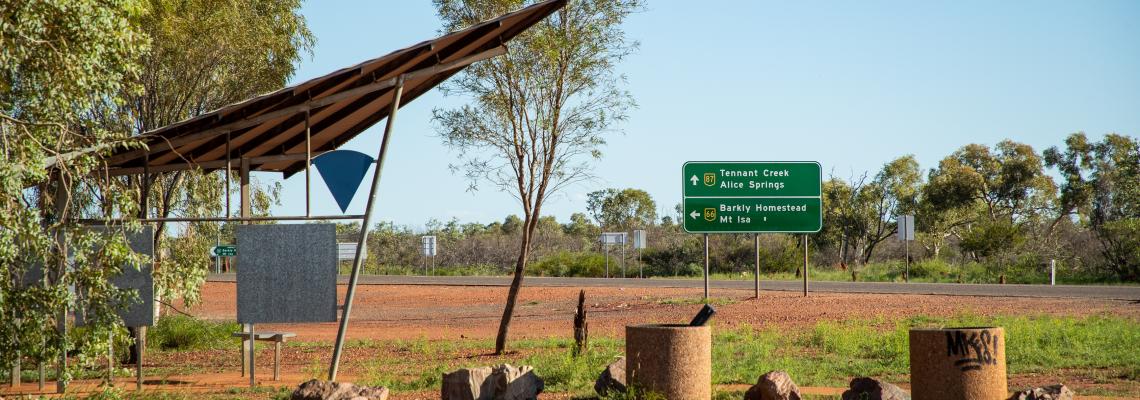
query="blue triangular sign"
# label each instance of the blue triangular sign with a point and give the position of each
(342, 171)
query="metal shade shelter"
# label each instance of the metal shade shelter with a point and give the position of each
(275, 131)
(282, 131)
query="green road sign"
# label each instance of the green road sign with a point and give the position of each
(225, 250)
(747, 197)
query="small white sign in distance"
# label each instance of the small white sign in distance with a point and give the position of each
(428, 246)
(905, 227)
(612, 238)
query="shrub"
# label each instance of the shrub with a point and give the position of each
(180, 332)
(575, 264)
(932, 268)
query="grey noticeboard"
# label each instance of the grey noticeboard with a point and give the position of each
(34, 275)
(141, 279)
(286, 273)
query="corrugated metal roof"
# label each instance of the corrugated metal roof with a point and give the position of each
(269, 130)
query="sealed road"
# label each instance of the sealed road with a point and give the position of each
(1119, 292)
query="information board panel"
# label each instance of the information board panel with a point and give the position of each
(286, 273)
(752, 196)
(141, 279)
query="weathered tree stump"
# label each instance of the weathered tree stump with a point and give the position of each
(581, 328)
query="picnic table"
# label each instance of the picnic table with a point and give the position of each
(278, 339)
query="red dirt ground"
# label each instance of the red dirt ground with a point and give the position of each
(451, 312)
(468, 312)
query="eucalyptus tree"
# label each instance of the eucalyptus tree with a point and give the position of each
(539, 113)
(1009, 183)
(893, 192)
(205, 54)
(622, 209)
(859, 213)
(1102, 186)
(1000, 193)
(60, 59)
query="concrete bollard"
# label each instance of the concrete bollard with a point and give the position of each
(674, 361)
(958, 364)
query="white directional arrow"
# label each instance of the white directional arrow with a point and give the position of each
(694, 214)
(694, 179)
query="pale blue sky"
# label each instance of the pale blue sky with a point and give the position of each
(849, 84)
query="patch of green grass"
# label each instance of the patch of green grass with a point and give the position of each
(830, 353)
(179, 332)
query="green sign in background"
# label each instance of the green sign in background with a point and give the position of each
(746, 197)
(225, 250)
(752, 179)
(738, 214)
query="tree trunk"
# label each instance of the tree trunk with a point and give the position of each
(516, 285)
(581, 328)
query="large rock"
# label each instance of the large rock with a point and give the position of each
(326, 390)
(873, 389)
(516, 383)
(468, 384)
(612, 378)
(1054, 392)
(503, 382)
(775, 385)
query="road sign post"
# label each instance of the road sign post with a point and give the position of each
(429, 248)
(756, 278)
(752, 197)
(906, 234)
(805, 265)
(639, 243)
(609, 238)
(706, 266)
(1052, 272)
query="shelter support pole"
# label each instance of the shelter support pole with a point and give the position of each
(308, 161)
(138, 333)
(252, 350)
(246, 205)
(246, 212)
(229, 169)
(144, 196)
(756, 239)
(16, 371)
(805, 265)
(61, 198)
(110, 359)
(138, 365)
(397, 91)
(706, 267)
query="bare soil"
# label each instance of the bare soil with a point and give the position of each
(452, 312)
(383, 312)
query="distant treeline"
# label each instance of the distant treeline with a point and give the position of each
(982, 214)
